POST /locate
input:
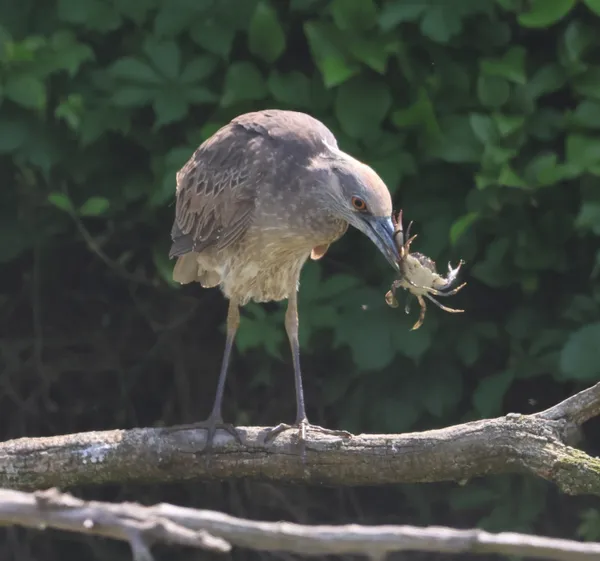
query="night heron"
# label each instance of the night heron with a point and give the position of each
(257, 199)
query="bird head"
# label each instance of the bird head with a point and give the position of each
(360, 197)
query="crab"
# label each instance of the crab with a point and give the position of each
(419, 276)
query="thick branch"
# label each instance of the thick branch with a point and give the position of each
(537, 444)
(140, 525)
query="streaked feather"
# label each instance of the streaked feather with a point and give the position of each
(217, 188)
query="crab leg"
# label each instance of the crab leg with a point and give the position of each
(421, 315)
(445, 308)
(440, 293)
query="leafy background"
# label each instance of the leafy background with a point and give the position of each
(482, 116)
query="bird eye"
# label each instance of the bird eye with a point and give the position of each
(359, 204)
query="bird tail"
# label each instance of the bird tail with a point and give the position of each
(187, 270)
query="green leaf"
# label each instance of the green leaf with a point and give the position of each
(546, 124)
(108, 117)
(133, 70)
(94, 206)
(589, 217)
(243, 82)
(468, 347)
(335, 285)
(593, 5)
(199, 94)
(325, 45)
(70, 111)
(580, 357)
(510, 178)
(484, 128)
(25, 90)
(544, 169)
(492, 91)
(582, 152)
(508, 124)
(492, 269)
(548, 79)
(354, 15)
(266, 38)
(461, 225)
(395, 415)
(165, 57)
(171, 20)
(292, 88)
(588, 83)
(61, 201)
(91, 14)
(361, 105)
(421, 112)
(400, 11)
(511, 66)
(458, 143)
(14, 133)
(175, 16)
(544, 13)
(198, 69)
(372, 51)
(412, 344)
(440, 23)
(477, 497)
(587, 115)
(368, 338)
(136, 11)
(5, 39)
(302, 5)
(170, 105)
(69, 54)
(260, 330)
(132, 96)
(490, 392)
(443, 392)
(577, 40)
(213, 37)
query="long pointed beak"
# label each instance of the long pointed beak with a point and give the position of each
(381, 232)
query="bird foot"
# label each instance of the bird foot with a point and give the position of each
(303, 426)
(211, 425)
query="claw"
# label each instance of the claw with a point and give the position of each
(303, 426)
(453, 273)
(211, 425)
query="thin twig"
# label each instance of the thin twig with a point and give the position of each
(141, 525)
(51, 509)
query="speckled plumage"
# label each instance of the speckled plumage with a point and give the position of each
(245, 218)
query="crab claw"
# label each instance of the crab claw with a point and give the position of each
(453, 273)
(390, 299)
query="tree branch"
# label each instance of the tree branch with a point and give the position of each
(140, 525)
(538, 444)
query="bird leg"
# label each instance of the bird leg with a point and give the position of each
(215, 419)
(301, 423)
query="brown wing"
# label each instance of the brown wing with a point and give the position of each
(216, 192)
(218, 186)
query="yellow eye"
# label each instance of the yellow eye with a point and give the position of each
(359, 204)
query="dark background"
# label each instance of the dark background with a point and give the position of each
(482, 117)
